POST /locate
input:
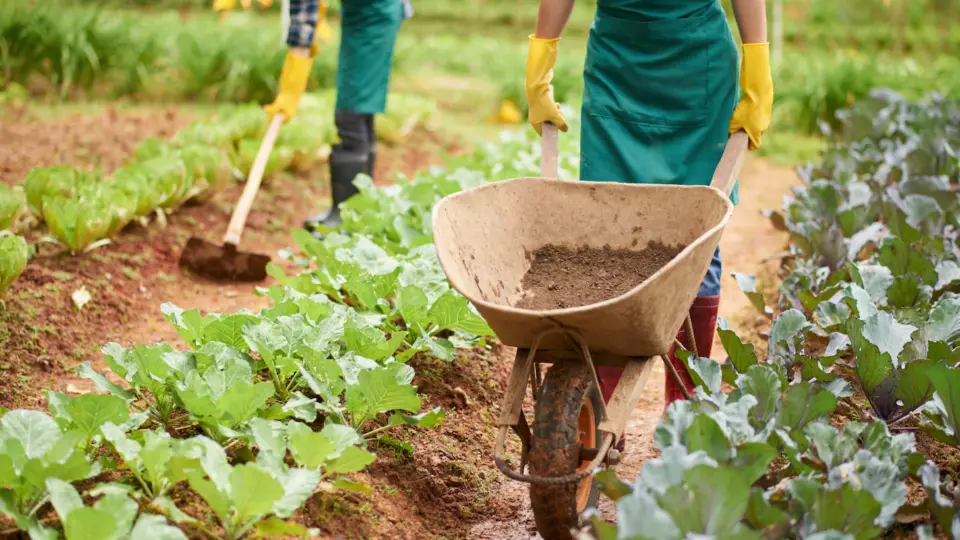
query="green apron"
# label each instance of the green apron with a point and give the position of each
(660, 86)
(368, 32)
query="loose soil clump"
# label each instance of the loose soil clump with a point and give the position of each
(562, 277)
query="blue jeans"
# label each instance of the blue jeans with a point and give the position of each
(710, 286)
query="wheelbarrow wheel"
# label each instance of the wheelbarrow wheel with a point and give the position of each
(567, 414)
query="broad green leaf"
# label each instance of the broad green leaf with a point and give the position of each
(36, 432)
(452, 311)
(838, 343)
(946, 382)
(875, 280)
(704, 434)
(121, 507)
(128, 449)
(787, 326)
(708, 372)
(887, 334)
(639, 516)
(762, 383)
(315, 449)
(242, 400)
(349, 485)
(660, 474)
(748, 284)
(91, 524)
(298, 485)
(155, 528)
(427, 419)
(742, 356)
(253, 491)
(265, 339)
(753, 459)
(865, 306)
(611, 486)
(948, 273)
(370, 342)
(101, 382)
(273, 527)
(804, 403)
(711, 500)
(63, 496)
(217, 501)
(90, 411)
(229, 331)
(760, 513)
(413, 306)
(943, 323)
(301, 407)
(832, 314)
(352, 459)
(908, 291)
(896, 255)
(846, 510)
(378, 391)
(189, 324)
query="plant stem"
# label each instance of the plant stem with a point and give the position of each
(378, 430)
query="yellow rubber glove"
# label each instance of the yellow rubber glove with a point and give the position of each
(541, 57)
(322, 33)
(753, 112)
(293, 82)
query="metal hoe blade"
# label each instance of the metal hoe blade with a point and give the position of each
(223, 263)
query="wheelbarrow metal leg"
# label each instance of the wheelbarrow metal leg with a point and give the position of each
(626, 395)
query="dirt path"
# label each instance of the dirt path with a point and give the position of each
(747, 240)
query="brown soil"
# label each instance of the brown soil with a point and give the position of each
(562, 277)
(105, 140)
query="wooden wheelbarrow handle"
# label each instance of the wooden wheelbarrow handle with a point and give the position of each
(240, 213)
(724, 177)
(727, 171)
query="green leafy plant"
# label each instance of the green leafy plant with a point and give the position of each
(14, 253)
(35, 449)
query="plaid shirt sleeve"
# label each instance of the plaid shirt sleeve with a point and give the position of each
(303, 22)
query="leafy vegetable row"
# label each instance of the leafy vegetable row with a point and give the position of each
(82, 210)
(869, 299)
(262, 409)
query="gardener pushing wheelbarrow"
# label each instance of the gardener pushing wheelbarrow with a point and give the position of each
(663, 139)
(660, 98)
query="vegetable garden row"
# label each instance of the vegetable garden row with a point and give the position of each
(265, 408)
(84, 209)
(838, 433)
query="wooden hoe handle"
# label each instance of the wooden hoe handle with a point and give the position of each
(549, 144)
(240, 213)
(725, 176)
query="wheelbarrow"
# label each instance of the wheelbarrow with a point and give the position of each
(484, 237)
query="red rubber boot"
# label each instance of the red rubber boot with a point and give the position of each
(703, 315)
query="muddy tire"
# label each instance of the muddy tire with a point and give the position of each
(567, 414)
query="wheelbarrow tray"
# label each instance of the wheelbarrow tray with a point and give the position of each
(485, 238)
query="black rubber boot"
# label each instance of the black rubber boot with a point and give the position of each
(344, 167)
(372, 163)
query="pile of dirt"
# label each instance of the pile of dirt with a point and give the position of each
(562, 277)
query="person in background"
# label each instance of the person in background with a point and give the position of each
(659, 101)
(368, 33)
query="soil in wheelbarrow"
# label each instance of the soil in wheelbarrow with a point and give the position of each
(563, 277)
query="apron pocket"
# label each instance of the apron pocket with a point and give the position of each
(651, 72)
